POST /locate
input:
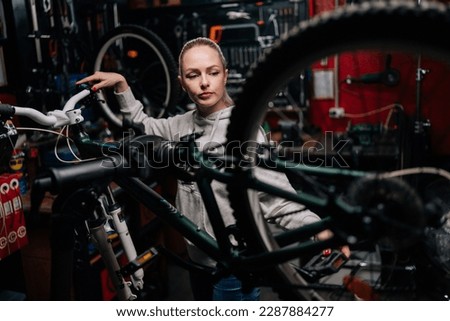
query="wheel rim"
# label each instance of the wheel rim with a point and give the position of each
(145, 43)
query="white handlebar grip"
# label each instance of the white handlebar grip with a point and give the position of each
(75, 99)
(37, 116)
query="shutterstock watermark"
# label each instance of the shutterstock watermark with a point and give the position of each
(156, 153)
(328, 152)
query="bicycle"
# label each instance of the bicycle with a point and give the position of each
(143, 58)
(391, 228)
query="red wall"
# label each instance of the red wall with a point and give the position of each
(360, 98)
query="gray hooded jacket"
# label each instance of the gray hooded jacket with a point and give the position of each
(188, 199)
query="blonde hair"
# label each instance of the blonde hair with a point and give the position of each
(203, 41)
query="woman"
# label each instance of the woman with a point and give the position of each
(203, 75)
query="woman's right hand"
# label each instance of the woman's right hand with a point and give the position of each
(101, 79)
(325, 235)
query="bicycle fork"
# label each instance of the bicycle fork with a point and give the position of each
(100, 232)
(100, 239)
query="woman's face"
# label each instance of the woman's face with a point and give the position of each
(203, 77)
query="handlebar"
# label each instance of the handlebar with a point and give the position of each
(132, 156)
(71, 103)
(56, 118)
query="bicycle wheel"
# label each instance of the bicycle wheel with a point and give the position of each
(148, 65)
(380, 270)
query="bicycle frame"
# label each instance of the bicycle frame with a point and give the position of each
(220, 249)
(231, 257)
(249, 264)
(228, 256)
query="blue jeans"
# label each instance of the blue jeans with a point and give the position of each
(229, 288)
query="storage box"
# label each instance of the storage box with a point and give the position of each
(13, 232)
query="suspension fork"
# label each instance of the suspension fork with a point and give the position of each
(99, 237)
(83, 207)
(98, 225)
(113, 210)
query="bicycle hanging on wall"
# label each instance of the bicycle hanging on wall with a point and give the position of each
(144, 59)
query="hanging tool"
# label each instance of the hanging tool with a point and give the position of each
(47, 5)
(68, 19)
(36, 32)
